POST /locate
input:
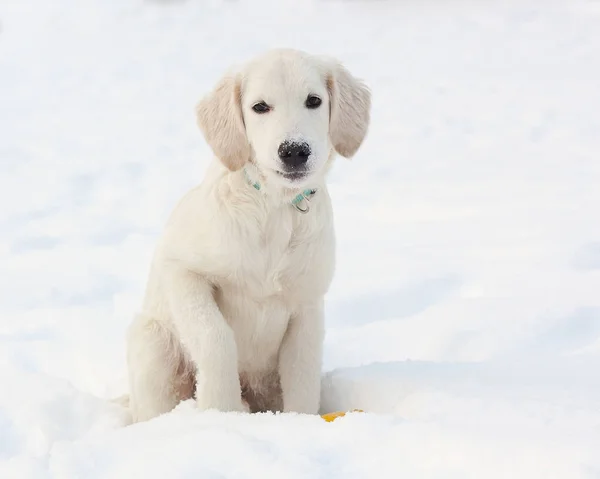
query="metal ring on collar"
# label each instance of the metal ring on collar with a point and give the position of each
(304, 211)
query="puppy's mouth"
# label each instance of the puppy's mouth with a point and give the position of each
(293, 176)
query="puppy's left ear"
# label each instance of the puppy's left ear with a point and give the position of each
(350, 109)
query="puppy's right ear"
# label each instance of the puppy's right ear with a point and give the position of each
(219, 116)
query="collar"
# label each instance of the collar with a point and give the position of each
(300, 198)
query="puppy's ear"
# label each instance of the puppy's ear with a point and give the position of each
(350, 113)
(219, 116)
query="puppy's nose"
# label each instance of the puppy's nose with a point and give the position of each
(294, 154)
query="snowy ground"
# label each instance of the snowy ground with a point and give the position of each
(465, 313)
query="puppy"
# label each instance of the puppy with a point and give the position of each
(233, 309)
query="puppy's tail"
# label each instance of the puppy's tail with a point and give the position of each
(121, 400)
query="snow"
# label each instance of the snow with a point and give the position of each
(464, 317)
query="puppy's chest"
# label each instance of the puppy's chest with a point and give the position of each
(277, 256)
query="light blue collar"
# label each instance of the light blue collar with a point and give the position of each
(306, 195)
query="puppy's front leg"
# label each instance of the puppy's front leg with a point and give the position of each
(208, 340)
(300, 359)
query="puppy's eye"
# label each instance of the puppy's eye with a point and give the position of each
(313, 101)
(261, 107)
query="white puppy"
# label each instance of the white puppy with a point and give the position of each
(233, 311)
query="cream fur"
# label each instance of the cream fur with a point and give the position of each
(233, 311)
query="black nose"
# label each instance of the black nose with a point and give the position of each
(294, 154)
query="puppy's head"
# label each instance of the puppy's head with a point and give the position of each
(285, 112)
